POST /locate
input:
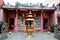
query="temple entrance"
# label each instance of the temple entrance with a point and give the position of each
(45, 24)
(11, 24)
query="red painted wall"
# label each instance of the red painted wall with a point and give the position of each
(1, 2)
(1, 15)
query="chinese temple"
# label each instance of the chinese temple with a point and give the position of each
(16, 16)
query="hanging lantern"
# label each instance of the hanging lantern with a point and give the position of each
(23, 15)
(34, 15)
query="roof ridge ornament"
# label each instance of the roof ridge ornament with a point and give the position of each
(53, 5)
(32, 6)
(46, 5)
(8, 3)
(41, 4)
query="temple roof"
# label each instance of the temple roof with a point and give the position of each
(29, 6)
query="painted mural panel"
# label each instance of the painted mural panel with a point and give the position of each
(21, 23)
(37, 22)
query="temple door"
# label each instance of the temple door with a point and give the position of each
(45, 24)
(11, 24)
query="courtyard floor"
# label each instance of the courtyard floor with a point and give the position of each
(36, 36)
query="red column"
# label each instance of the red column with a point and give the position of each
(16, 20)
(41, 20)
(1, 2)
(48, 24)
(8, 22)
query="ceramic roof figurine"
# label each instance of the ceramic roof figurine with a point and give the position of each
(28, 6)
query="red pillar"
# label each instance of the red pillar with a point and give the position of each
(16, 20)
(1, 2)
(41, 20)
(48, 24)
(8, 22)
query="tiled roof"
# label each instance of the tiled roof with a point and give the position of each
(8, 6)
(29, 6)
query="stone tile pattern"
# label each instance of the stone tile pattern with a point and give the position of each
(36, 36)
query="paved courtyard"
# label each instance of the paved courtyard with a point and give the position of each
(36, 36)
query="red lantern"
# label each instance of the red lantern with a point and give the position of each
(23, 15)
(34, 15)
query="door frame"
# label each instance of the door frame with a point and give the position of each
(9, 21)
(48, 24)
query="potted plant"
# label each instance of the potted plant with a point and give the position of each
(1, 23)
(6, 24)
(52, 27)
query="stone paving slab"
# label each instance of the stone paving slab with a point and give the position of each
(0, 35)
(36, 36)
